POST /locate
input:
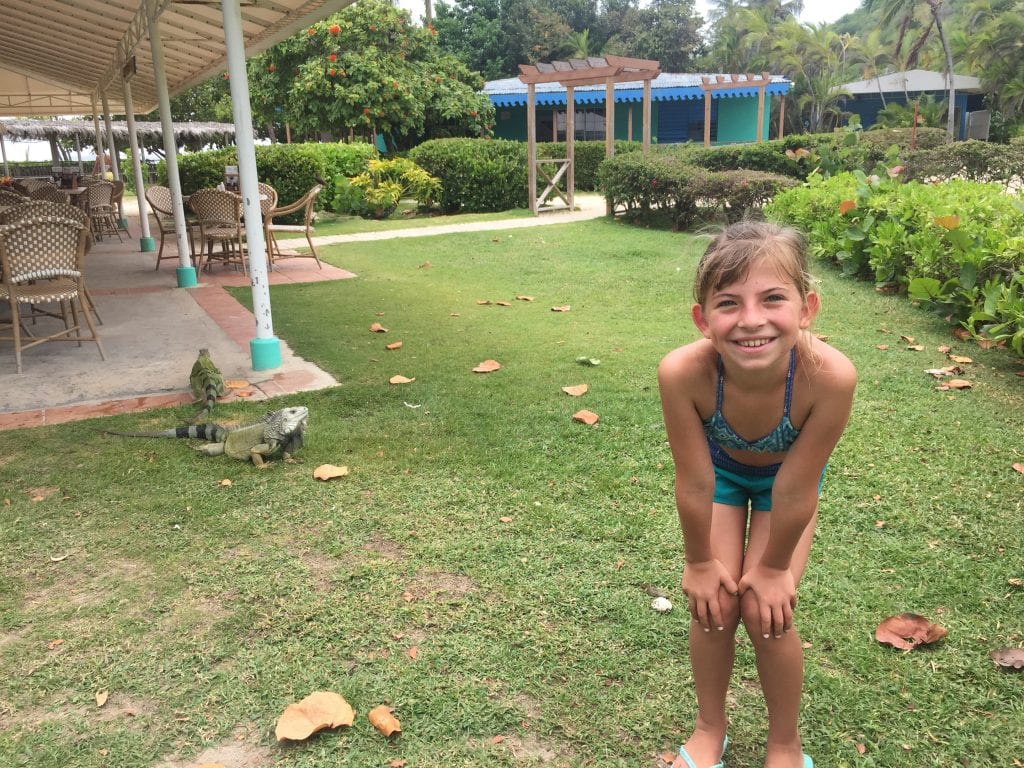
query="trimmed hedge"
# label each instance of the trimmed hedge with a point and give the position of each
(290, 168)
(974, 160)
(476, 175)
(589, 155)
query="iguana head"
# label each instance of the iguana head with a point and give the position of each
(288, 421)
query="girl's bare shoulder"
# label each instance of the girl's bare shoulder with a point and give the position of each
(830, 369)
(688, 363)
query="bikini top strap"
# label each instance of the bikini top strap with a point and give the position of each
(721, 385)
(789, 382)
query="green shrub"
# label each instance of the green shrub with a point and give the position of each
(954, 246)
(374, 193)
(588, 155)
(974, 160)
(476, 175)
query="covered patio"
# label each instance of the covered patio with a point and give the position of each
(127, 57)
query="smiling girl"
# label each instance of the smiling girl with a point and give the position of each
(753, 411)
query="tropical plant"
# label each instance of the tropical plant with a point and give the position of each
(375, 193)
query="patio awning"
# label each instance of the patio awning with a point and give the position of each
(83, 129)
(58, 54)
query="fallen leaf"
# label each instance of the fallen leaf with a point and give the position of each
(425, 265)
(576, 390)
(319, 710)
(487, 366)
(497, 739)
(225, 483)
(382, 719)
(915, 347)
(393, 345)
(413, 652)
(505, 519)
(944, 349)
(53, 644)
(960, 359)
(861, 749)
(883, 347)
(907, 339)
(101, 698)
(59, 558)
(378, 328)
(329, 472)
(586, 417)
(243, 393)
(503, 303)
(1009, 657)
(483, 302)
(619, 564)
(524, 298)
(401, 380)
(959, 384)
(561, 308)
(400, 763)
(236, 383)
(408, 596)
(1019, 467)
(907, 631)
(591, 361)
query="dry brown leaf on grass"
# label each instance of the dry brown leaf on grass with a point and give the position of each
(382, 719)
(907, 631)
(378, 328)
(329, 472)
(393, 345)
(1009, 658)
(954, 384)
(397, 379)
(319, 710)
(586, 417)
(524, 298)
(561, 308)
(1019, 467)
(576, 390)
(487, 366)
(236, 383)
(101, 698)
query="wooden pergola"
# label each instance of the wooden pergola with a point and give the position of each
(569, 74)
(735, 82)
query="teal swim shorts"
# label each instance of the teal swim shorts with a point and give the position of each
(742, 485)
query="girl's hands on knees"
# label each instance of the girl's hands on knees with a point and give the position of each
(775, 590)
(702, 585)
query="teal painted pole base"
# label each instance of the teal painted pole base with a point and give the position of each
(147, 244)
(266, 353)
(187, 277)
(123, 224)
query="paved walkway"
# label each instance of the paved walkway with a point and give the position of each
(152, 331)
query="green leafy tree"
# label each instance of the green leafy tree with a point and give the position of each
(666, 30)
(902, 13)
(367, 71)
(993, 48)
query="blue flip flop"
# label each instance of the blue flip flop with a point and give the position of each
(725, 745)
(808, 763)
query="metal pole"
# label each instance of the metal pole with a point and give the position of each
(98, 141)
(146, 242)
(265, 348)
(3, 151)
(186, 273)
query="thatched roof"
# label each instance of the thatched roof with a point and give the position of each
(148, 133)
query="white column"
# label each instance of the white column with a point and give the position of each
(3, 151)
(98, 142)
(114, 165)
(265, 348)
(186, 273)
(146, 243)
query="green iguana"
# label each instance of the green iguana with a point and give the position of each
(279, 433)
(207, 383)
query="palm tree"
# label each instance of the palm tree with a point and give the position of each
(903, 10)
(581, 46)
(872, 54)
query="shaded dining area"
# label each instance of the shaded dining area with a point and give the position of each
(131, 56)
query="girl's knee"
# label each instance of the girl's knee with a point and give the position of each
(730, 611)
(750, 613)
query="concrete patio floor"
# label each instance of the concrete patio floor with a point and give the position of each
(152, 331)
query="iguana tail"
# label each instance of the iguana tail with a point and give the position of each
(214, 433)
(211, 392)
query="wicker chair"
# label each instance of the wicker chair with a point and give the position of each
(219, 217)
(268, 198)
(9, 197)
(159, 199)
(37, 209)
(101, 210)
(117, 200)
(50, 193)
(304, 204)
(42, 262)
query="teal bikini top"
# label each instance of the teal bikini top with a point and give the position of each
(720, 434)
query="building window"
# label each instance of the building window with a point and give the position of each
(589, 125)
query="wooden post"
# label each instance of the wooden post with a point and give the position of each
(782, 116)
(554, 124)
(647, 117)
(570, 143)
(531, 145)
(629, 123)
(760, 114)
(287, 133)
(609, 127)
(707, 118)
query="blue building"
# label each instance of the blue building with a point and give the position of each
(677, 109)
(867, 97)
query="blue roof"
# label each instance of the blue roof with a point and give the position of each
(512, 92)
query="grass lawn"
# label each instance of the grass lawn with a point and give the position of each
(484, 567)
